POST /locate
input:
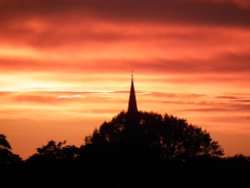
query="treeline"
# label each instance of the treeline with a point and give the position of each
(58, 164)
(149, 151)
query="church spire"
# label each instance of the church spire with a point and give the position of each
(132, 105)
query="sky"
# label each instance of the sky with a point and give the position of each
(65, 67)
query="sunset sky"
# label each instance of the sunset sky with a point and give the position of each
(65, 66)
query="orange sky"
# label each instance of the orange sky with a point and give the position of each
(65, 66)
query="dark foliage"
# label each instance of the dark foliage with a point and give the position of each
(54, 153)
(150, 136)
(58, 165)
(6, 155)
(188, 158)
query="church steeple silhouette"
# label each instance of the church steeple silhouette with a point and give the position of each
(132, 104)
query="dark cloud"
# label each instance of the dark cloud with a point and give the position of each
(225, 103)
(50, 98)
(162, 11)
(206, 78)
(226, 97)
(241, 107)
(60, 23)
(56, 98)
(244, 119)
(35, 99)
(56, 35)
(177, 95)
(219, 107)
(245, 100)
(220, 65)
(206, 109)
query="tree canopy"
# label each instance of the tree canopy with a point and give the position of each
(151, 136)
(6, 155)
(53, 153)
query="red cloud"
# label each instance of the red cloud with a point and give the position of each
(182, 11)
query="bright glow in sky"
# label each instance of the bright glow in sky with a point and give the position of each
(65, 66)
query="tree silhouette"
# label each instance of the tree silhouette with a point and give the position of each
(6, 155)
(239, 160)
(54, 153)
(151, 136)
